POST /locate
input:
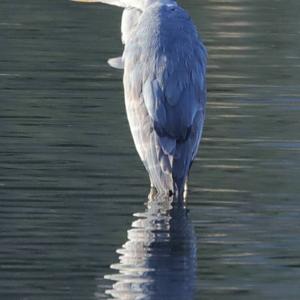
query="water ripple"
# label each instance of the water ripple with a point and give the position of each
(158, 261)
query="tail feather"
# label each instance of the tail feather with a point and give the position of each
(158, 166)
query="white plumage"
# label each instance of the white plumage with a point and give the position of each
(164, 81)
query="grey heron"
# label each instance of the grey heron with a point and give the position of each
(164, 62)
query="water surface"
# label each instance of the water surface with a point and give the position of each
(70, 178)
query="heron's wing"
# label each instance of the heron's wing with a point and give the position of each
(175, 101)
(174, 93)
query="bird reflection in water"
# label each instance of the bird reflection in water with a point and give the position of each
(158, 261)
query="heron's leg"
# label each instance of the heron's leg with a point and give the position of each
(185, 191)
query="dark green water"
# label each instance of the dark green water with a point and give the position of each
(70, 179)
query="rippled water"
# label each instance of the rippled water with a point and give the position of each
(71, 180)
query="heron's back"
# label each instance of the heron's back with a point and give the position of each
(165, 92)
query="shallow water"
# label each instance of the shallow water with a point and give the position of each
(71, 180)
